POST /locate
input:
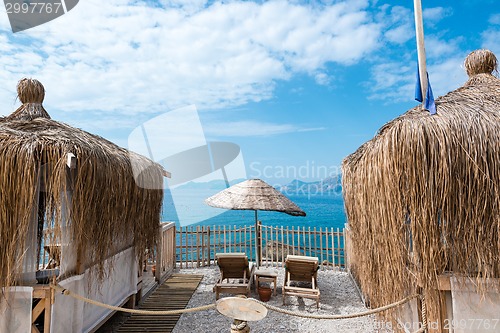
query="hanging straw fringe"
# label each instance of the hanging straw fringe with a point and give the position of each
(423, 196)
(107, 208)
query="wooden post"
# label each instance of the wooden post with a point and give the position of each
(333, 247)
(338, 246)
(419, 29)
(191, 245)
(316, 244)
(198, 259)
(321, 247)
(159, 250)
(215, 241)
(248, 240)
(258, 242)
(270, 239)
(208, 246)
(301, 241)
(174, 242)
(182, 246)
(282, 247)
(309, 234)
(224, 236)
(233, 241)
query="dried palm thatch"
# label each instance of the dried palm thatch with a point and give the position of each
(107, 209)
(423, 196)
(31, 93)
(254, 194)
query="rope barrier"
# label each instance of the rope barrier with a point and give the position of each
(347, 316)
(424, 316)
(242, 326)
(116, 308)
(211, 306)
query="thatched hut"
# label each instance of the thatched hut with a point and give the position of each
(422, 200)
(96, 200)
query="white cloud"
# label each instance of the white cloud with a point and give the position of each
(395, 82)
(189, 6)
(448, 74)
(392, 82)
(433, 15)
(399, 24)
(393, 74)
(322, 79)
(249, 128)
(123, 57)
(491, 38)
(438, 48)
(494, 19)
(400, 21)
(400, 34)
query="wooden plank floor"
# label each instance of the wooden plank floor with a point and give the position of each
(174, 293)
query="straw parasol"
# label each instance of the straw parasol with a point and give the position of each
(98, 197)
(422, 197)
(254, 194)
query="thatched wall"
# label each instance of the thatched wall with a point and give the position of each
(108, 210)
(422, 197)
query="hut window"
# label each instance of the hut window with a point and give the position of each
(49, 248)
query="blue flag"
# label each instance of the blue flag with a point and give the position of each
(429, 97)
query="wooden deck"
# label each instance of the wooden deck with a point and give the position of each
(174, 293)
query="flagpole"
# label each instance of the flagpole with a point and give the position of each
(419, 30)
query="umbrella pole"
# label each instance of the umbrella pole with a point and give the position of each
(257, 238)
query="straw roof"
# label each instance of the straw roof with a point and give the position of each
(422, 197)
(107, 209)
(254, 194)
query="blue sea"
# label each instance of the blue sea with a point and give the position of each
(187, 207)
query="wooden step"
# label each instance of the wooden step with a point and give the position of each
(173, 294)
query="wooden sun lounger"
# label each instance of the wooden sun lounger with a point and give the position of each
(236, 274)
(301, 269)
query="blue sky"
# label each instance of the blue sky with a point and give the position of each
(297, 85)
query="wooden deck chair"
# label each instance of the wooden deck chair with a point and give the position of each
(236, 274)
(301, 269)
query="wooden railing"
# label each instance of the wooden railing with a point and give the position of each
(197, 246)
(165, 252)
(43, 297)
(327, 244)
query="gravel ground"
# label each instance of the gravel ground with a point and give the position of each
(338, 296)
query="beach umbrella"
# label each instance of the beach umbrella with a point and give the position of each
(254, 194)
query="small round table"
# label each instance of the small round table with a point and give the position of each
(262, 275)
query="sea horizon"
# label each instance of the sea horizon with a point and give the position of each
(323, 210)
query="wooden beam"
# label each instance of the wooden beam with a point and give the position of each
(48, 313)
(37, 311)
(444, 283)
